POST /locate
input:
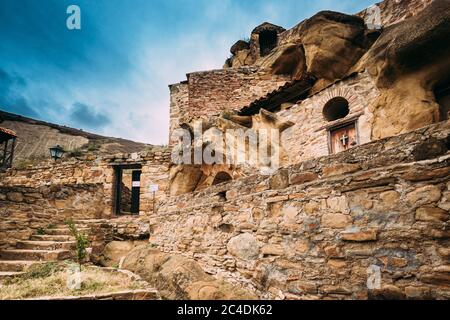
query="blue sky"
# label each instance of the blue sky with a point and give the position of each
(112, 76)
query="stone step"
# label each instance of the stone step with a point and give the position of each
(16, 265)
(40, 255)
(46, 245)
(9, 274)
(64, 231)
(47, 237)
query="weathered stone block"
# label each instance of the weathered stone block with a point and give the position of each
(424, 195)
(340, 169)
(336, 220)
(273, 250)
(357, 235)
(303, 177)
(244, 246)
(430, 214)
(280, 180)
(14, 196)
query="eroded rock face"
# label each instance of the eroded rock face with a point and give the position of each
(327, 46)
(177, 277)
(116, 251)
(184, 179)
(407, 62)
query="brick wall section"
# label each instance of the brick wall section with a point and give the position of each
(213, 92)
(308, 138)
(313, 230)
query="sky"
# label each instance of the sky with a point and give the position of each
(112, 76)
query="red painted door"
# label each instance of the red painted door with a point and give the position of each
(343, 138)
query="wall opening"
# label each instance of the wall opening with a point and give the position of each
(7, 146)
(268, 40)
(221, 177)
(443, 99)
(336, 108)
(127, 189)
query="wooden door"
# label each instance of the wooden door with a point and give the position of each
(135, 192)
(343, 138)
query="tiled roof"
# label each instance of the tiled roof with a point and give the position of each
(8, 132)
(285, 93)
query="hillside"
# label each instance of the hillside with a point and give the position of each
(35, 137)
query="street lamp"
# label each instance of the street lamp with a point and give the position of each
(57, 152)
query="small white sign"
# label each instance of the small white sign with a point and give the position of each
(136, 184)
(154, 187)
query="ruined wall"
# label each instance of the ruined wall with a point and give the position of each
(212, 92)
(179, 105)
(308, 138)
(36, 197)
(313, 230)
(24, 210)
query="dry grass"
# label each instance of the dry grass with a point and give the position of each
(50, 280)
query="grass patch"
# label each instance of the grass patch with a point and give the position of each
(51, 280)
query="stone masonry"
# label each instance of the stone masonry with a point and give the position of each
(313, 230)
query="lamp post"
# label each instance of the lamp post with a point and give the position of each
(56, 152)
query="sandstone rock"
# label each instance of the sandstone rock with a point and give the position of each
(244, 246)
(304, 177)
(405, 77)
(335, 220)
(239, 46)
(339, 169)
(431, 214)
(272, 250)
(390, 199)
(177, 277)
(356, 235)
(280, 180)
(115, 252)
(417, 292)
(387, 292)
(14, 196)
(184, 179)
(218, 290)
(302, 287)
(424, 195)
(171, 274)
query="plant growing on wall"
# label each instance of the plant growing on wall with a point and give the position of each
(82, 242)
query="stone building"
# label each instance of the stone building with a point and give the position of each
(362, 187)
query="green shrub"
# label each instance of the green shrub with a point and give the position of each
(81, 241)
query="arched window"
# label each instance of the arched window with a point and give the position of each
(221, 177)
(268, 40)
(336, 108)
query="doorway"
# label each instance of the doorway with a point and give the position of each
(127, 189)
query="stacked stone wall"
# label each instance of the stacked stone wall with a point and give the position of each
(320, 229)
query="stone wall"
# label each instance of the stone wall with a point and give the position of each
(24, 210)
(308, 138)
(314, 230)
(81, 189)
(179, 104)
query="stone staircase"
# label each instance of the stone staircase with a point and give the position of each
(55, 244)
